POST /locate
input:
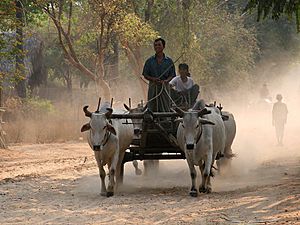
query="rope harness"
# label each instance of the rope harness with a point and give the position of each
(106, 135)
(200, 134)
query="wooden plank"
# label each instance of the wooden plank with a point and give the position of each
(141, 115)
(130, 156)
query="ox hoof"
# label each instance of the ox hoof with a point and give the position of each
(202, 190)
(208, 190)
(193, 193)
(109, 194)
(138, 172)
(103, 193)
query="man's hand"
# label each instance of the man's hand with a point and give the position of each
(164, 82)
(156, 80)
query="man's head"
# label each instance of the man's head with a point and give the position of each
(159, 45)
(279, 97)
(183, 70)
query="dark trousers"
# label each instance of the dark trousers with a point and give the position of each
(159, 97)
(186, 98)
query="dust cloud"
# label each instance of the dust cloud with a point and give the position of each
(254, 145)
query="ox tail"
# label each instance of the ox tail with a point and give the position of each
(212, 174)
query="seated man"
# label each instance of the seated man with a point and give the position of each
(186, 92)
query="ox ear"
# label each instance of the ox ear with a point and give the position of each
(180, 120)
(225, 117)
(205, 121)
(126, 107)
(203, 112)
(111, 129)
(85, 127)
(108, 114)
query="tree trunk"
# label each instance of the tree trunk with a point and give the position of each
(68, 78)
(20, 66)
(112, 63)
(148, 10)
(136, 63)
(102, 85)
(1, 93)
(186, 4)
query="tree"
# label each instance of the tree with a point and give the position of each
(218, 47)
(14, 37)
(134, 33)
(275, 9)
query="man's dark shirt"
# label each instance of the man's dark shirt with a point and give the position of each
(153, 69)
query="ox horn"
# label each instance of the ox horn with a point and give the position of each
(220, 107)
(205, 121)
(179, 111)
(144, 108)
(98, 107)
(86, 111)
(127, 107)
(111, 102)
(108, 114)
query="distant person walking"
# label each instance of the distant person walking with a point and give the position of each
(264, 92)
(279, 118)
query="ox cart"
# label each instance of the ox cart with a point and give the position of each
(156, 139)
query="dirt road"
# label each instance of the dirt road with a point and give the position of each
(59, 184)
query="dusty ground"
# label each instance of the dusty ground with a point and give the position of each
(59, 184)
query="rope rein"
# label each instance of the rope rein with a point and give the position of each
(163, 88)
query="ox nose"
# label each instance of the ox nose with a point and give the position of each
(190, 146)
(136, 131)
(96, 147)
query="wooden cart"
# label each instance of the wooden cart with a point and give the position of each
(157, 139)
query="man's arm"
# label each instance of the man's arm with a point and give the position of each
(168, 80)
(146, 73)
(171, 73)
(153, 79)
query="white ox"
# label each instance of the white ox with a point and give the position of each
(109, 138)
(202, 137)
(230, 131)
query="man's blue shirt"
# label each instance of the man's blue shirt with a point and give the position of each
(153, 69)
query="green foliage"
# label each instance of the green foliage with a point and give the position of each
(132, 29)
(35, 105)
(217, 46)
(29, 107)
(275, 9)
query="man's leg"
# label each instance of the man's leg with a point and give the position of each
(164, 98)
(281, 133)
(152, 101)
(193, 93)
(177, 97)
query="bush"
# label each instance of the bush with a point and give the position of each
(35, 120)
